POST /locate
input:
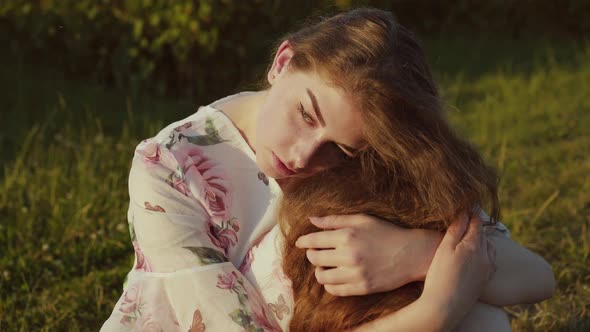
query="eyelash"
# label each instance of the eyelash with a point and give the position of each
(306, 117)
(309, 120)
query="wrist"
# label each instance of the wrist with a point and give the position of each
(420, 315)
(436, 314)
(430, 240)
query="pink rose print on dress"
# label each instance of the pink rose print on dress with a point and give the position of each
(227, 281)
(247, 262)
(130, 303)
(261, 315)
(146, 308)
(206, 181)
(158, 318)
(252, 314)
(151, 153)
(151, 207)
(149, 323)
(224, 236)
(178, 182)
(183, 126)
(153, 323)
(142, 262)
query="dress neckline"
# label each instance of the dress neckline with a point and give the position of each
(238, 138)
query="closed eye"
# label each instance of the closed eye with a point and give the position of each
(304, 115)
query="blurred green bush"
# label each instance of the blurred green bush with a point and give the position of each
(196, 48)
(173, 47)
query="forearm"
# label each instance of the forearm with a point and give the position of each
(521, 276)
(417, 316)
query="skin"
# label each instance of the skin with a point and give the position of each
(307, 139)
(461, 265)
(354, 243)
(308, 142)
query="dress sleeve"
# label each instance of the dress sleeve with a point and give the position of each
(182, 279)
(498, 227)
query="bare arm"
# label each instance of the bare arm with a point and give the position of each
(418, 316)
(521, 276)
(357, 243)
(461, 266)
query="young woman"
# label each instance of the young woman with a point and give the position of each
(352, 93)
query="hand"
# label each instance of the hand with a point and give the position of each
(462, 265)
(360, 254)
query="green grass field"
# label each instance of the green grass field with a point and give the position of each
(66, 147)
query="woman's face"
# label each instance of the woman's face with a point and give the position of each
(304, 125)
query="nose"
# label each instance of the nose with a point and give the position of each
(304, 152)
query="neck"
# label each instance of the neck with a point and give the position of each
(243, 111)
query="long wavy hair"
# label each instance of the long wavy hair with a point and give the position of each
(415, 171)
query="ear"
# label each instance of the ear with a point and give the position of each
(280, 63)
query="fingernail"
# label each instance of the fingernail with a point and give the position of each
(314, 219)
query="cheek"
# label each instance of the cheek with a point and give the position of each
(276, 127)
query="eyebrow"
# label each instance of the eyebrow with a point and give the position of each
(316, 107)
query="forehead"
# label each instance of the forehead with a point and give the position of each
(342, 117)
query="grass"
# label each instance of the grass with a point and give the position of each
(66, 148)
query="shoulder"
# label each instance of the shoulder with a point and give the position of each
(157, 182)
(205, 122)
(176, 167)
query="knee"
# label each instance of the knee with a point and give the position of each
(484, 317)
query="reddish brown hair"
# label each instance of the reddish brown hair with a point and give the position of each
(415, 171)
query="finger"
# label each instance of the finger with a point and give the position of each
(492, 254)
(335, 221)
(333, 276)
(455, 232)
(344, 290)
(474, 233)
(321, 240)
(326, 257)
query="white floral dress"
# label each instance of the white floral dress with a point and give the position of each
(202, 223)
(199, 209)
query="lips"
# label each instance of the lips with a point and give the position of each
(280, 166)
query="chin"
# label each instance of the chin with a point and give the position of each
(267, 168)
(274, 174)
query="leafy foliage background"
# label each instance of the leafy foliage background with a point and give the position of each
(195, 48)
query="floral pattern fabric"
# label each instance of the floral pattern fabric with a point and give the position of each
(203, 228)
(199, 208)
